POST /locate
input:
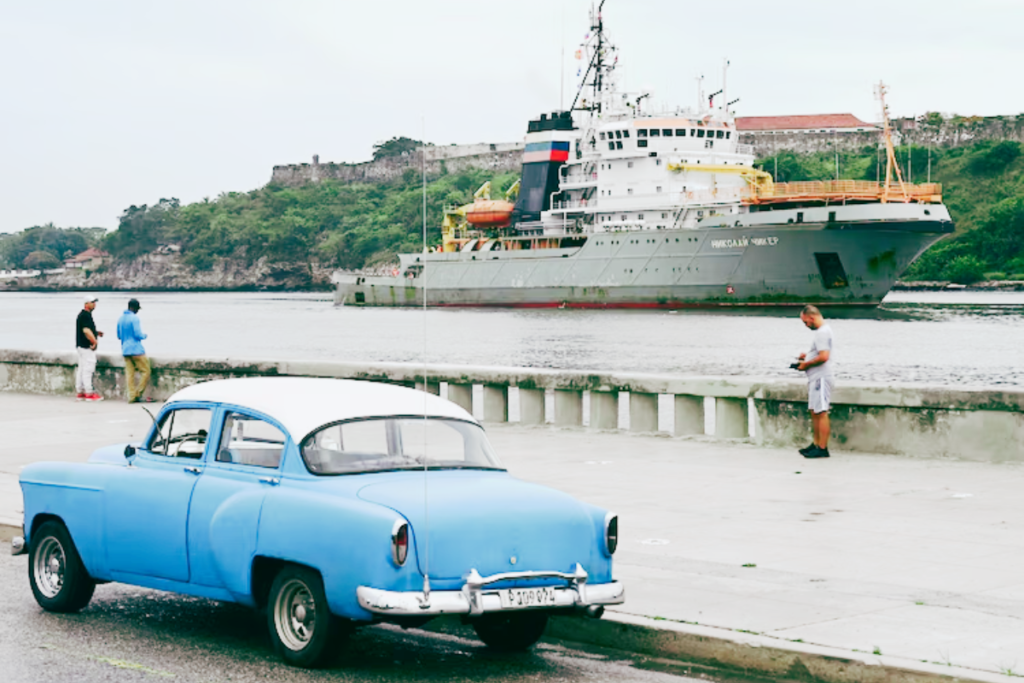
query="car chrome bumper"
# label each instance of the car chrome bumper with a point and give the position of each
(475, 599)
(18, 546)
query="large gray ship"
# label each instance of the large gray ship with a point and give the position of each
(623, 208)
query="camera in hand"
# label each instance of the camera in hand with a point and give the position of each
(794, 366)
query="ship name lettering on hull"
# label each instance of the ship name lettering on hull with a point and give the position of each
(744, 242)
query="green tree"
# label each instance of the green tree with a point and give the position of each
(965, 270)
(41, 260)
(142, 228)
(396, 147)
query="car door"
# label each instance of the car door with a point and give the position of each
(146, 505)
(228, 498)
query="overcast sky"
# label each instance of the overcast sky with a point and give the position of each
(109, 103)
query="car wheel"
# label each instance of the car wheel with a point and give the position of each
(511, 631)
(55, 571)
(302, 627)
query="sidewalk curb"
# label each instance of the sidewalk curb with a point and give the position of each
(754, 654)
(720, 648)
(9, 530)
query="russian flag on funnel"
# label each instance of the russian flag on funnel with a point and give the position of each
(545, 151)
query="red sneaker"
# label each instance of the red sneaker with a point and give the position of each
(93, 397)
(80, 397)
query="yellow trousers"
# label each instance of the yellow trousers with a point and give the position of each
(136, 367)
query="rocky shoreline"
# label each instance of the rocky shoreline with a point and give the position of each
(168, 273)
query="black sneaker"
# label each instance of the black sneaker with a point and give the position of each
(817, 453)
(804, 451)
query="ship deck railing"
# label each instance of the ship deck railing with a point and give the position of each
(845, 190)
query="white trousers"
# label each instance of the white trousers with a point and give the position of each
(86, 366)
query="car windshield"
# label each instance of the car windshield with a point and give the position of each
(398, 443)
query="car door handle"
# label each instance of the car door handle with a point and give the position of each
(193, 470)
(270, 481)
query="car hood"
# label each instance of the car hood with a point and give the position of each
(488, 521)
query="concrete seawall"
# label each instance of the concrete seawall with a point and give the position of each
(976, 424)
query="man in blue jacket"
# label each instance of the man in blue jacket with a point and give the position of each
(129, 331)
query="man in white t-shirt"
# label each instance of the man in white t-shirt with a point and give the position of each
(818, 364)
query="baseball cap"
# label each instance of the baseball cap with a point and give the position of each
(89, 298)
(134, 304)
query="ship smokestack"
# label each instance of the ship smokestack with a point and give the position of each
(548, 140)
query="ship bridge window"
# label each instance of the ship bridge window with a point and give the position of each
(680, 132)
(655, 132)
(602, 136)
(618, 135)
(611, 145)
(693, 133)
(728, 134)
(641, 143)
(618, 144)
(666, 132)
(641, 132)
(700, 132)
(625, 133)
(720, 134)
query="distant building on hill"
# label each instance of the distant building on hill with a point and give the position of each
(805, 124)
(89, 259)
(805, 132)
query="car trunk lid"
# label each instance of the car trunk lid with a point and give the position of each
(488, 521)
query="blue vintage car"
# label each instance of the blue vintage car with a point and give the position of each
(326, 503)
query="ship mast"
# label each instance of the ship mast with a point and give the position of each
(597, 65)
(890, 154)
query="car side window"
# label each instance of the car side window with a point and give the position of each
(248, 440)
(181, 433)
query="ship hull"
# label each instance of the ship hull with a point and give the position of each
(785, 264)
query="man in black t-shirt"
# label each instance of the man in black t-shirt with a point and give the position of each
(86, 341)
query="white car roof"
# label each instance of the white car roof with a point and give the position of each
(303, 404)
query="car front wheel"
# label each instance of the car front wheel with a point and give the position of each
(302, 627)
(511, 631)
(58, 578)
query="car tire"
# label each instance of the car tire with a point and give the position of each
(56, 574)
(302, 628)
(511, 631)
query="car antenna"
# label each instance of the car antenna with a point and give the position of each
(425, 600)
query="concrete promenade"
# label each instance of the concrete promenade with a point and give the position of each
(905, 563)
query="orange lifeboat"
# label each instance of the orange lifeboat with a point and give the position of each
(489, 213)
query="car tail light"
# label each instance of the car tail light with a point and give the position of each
(400, 543)
(611, 533)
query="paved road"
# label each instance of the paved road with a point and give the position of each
(135, 634)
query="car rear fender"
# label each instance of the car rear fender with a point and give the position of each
(347, 540)
(73, 494)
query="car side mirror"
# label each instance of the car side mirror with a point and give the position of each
(129, 451)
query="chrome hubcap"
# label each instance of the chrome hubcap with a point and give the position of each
(295, 615)
(49, 566)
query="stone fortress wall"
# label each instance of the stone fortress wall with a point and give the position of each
(956, 131)
(507, 156)
(498, 157)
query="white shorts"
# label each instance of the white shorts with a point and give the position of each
(819, 394)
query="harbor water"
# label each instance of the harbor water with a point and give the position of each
(937, 338)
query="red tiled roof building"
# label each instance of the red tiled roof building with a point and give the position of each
(816, 123)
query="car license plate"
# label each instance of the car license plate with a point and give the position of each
(515, 598)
